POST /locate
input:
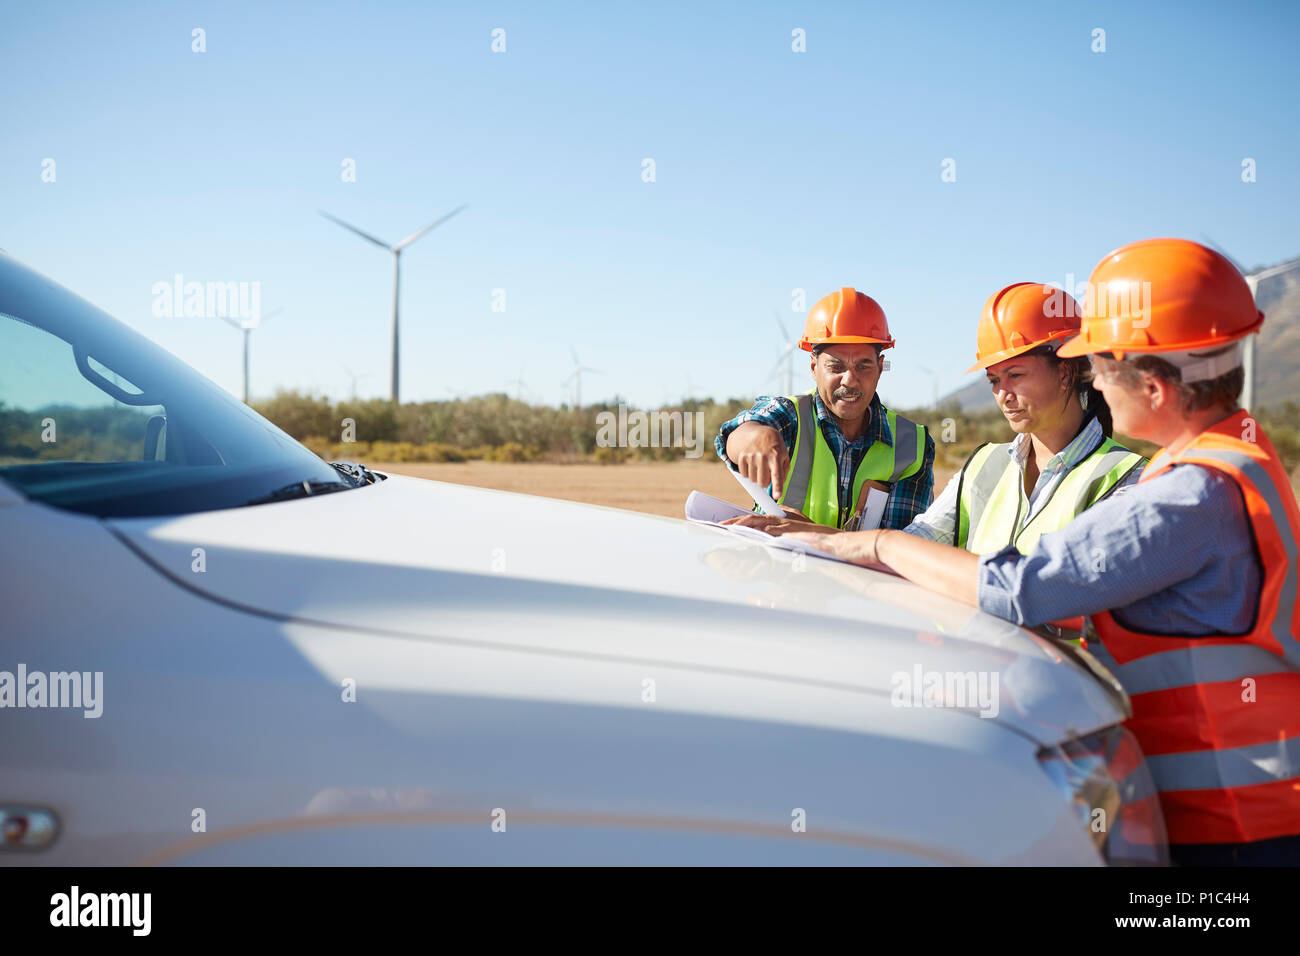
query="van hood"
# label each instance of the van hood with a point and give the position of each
(437, 561)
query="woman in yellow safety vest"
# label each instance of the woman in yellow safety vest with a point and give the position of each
(1062, 460)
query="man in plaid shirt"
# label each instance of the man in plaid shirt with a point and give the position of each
(846, 332)
(909, 496)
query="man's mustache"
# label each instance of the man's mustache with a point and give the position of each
(846, 393)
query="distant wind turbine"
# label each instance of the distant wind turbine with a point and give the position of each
(396, 250)
(520, 385)
(934, 385)
(787, 355)
(247, 327)
(355, 378)
(1253, 279)
(576, 378)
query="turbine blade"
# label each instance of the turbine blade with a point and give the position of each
(785, 336)
(257, 322)
(352, 228)
(574, 353)
(1223, 252)
(229, 321)
(433, 225)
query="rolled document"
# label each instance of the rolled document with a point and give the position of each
(760, 496)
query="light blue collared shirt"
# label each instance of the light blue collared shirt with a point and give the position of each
(1173, 555)
(939, 521)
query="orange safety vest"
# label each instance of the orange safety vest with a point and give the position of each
(1218, 717)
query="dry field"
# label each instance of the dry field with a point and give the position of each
(656, 487)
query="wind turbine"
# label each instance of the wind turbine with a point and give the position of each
(355, 378)
(247, 327)
(934, 385)
(519, 384)
(396, 250)
(1253, 279)
(787, 355)
(576, 378)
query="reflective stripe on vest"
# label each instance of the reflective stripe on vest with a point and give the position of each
(992, 498)
(813, 484)
(1219, 716)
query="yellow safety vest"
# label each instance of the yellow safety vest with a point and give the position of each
(991, 500)
(813, 483)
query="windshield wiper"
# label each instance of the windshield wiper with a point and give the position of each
(355, 472)
(301, 489)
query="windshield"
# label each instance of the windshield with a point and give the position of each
(95, 418)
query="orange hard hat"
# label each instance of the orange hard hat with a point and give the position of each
(845, 316)
(1022, 317)
(1164, 295)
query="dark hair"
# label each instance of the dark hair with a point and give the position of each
(1223, 391)
(1093, 402)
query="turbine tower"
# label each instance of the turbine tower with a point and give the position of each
(520, 385)
(576, 377)
(396, 250)
(787, 355)
(934, 386)
(355, 377)
(247, 327)
(1253, 280)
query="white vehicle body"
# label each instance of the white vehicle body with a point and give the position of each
(413, 672)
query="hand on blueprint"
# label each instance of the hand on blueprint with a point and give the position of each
(793, 521)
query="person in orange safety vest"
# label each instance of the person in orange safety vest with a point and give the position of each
(1188, 577)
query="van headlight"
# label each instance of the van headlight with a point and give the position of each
(1105, 776)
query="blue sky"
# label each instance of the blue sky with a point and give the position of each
(775, 171)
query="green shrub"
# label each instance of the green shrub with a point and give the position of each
(302, 415)
(512, 451)
(373, 420)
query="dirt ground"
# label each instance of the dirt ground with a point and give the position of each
(655, 487)
(658, 488)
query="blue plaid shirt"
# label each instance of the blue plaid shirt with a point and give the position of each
(909, 497)
(1173, 555)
